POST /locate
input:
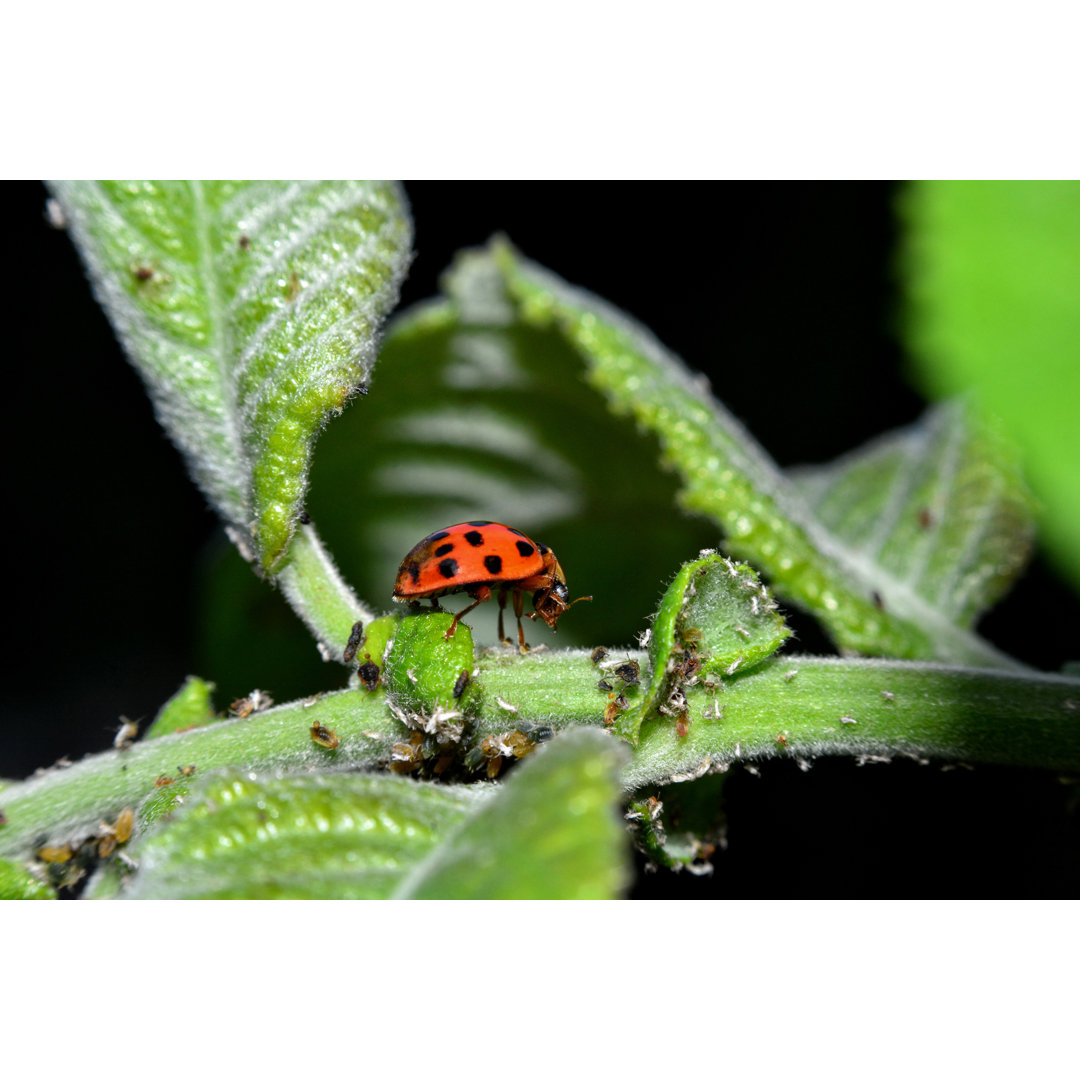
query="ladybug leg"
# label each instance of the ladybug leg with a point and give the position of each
(502, 604)
(481, 593)
(519, 605)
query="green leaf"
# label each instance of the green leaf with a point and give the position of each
(940, 506)
(550, 834)
(17, 883)
(715, 620)
(190, 707)
(728, 478)
(473, 417)
(250, 310)
(307, 836)
(992, 272)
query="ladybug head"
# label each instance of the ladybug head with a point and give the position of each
(553, 601)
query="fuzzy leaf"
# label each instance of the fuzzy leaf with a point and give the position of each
(250, 310)
(550, 834)
(939, 506)
(474, 415)
(728, 478)
(190, 707)
(331, 836)
(715, 614)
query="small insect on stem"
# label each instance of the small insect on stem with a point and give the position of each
(323, 736)
(356, 635)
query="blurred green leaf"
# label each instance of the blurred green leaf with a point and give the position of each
(250, 310)
(17, 883)
(471, 417)
(307, 836)
(551, 833)
(992, 272)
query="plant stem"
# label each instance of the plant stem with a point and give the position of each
(67, 804)
(319, 594)
(805, 707)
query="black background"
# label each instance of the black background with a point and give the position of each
(780, 292)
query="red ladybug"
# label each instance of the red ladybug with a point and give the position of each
(478, 557)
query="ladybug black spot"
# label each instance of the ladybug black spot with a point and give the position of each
(448, 568)
(493, 564)
(438, 535)
(414, 572)
(516, 532)
(443, 549)
(542, 548)
(478, 523)
(524, 548)
(475, 538)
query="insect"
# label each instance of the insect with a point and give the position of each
(368, 673)
(462, 682)
(324, 736)
(478, 558)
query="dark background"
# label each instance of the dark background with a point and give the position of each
(780, 292)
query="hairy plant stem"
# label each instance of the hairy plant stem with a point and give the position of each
(318, 593)
(796, 707)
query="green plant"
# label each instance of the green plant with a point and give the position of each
(252, 312)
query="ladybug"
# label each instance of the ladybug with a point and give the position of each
(478, 557)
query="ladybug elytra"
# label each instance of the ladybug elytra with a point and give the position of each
(478, 558)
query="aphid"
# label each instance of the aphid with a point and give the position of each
(598, 654)
(611, 711)
(143, 273)
(926, 519)
(59, 853)
(462, 682)
(355, 636)
(3, 818)
(125, 733)
(604, 685)
(629, 672)
(407, 757)
(368, 673)
(479, 558)
(255, 702)
(682, 726)
(878, 600)
(124, 823)
(781, 740)
(324, 736)
(186, 770)
(164, 781)
(244, 242)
